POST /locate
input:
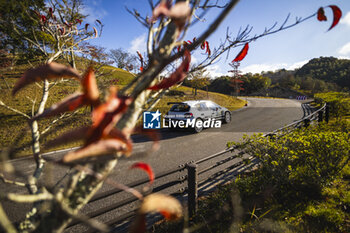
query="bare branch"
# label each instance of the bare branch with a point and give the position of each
(14, 110)
(25, 198)
(7, 181)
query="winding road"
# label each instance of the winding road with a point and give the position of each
(177, 147)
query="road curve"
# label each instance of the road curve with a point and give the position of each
(177, 147)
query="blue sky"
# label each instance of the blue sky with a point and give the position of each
(287, 49)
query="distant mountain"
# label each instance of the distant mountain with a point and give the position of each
(328, 69)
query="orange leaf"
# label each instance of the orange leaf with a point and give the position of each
(90, 86)
(320, 15)
(95, 32)
(48, 71)
(69, 103)
(105, 116)
(336, 15)
(147, 168)
(242, 53)
(164, 204)
(178, 76)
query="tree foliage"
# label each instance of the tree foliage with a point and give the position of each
(198, 80)
(123, 59)
(327, 69)
(17, 14)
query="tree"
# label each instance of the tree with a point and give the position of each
(114, 119)
(198, 80)
(55, 33)
(15, 14)
(255, 83)
(123, 59)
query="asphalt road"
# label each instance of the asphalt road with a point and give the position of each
(177, 147)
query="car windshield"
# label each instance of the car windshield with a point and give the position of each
(212, 105)
(180, 108)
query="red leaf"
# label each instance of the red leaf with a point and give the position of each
(48, 71)
(320, 15)
(147, 168)
(336, 15)
(86, 26)
(242, 53)
(69, 103)
(79, 21)
(177, 76)
(98, 21)
(208, 48)
(43, 18)
(90, 86)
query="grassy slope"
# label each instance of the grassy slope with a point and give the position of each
(13, 125)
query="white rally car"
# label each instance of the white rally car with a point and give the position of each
(198, 114)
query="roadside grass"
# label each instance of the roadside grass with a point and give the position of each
(13, 125)
(229, 102)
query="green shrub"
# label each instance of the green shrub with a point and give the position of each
(339, 103)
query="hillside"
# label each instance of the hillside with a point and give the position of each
(328, 69)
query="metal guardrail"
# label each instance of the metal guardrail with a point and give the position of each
(202, 175)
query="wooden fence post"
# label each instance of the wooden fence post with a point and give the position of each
(320, 116)
(327, 112)
(192, 177)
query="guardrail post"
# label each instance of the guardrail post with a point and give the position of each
(327, 112)
(192, 177)
(320, 116)
(306, 123)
